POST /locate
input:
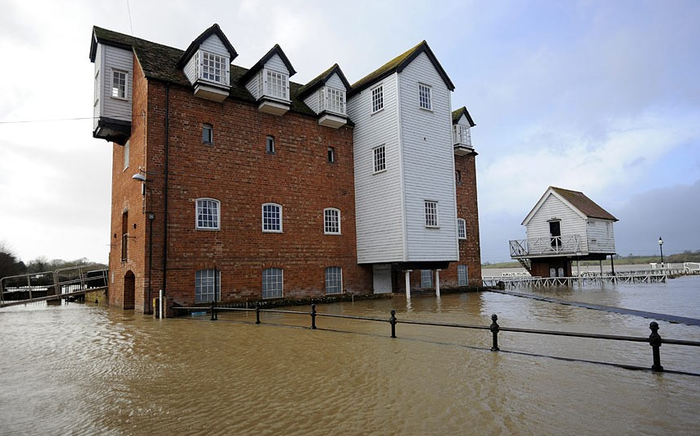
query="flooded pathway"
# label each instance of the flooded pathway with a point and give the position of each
(78, 369)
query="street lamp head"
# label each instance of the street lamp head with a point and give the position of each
(139, 177)
(661, 241)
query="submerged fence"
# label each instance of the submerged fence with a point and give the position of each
(654, 339)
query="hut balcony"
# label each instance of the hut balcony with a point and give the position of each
(575, 246)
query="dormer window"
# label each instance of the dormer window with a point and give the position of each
(331, 100)
(274, 84)
(462, 135)
(213, 67)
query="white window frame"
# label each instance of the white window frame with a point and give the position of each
(377, 96)
(120, 86)
(431, 214)
(331, 221)
(207, 133)
(462, 275)
(207, 285)
(204, 217)
(426, 278)
(270, 222)
(332, 100)
(272, 283)
(275, 84)
(331, 154)
(461, 228)
(462, 135)
(334, 280)
(213, 67)
(379, 159)
(425, 96)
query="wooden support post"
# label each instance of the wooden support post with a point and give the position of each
(408, 284)
(437, 283)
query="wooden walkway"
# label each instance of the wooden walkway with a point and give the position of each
(515, 282)
(65, 283)
(622, 310)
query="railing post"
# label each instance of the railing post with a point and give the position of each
(214, 315)
(313, 317)
(257, 312)
(494, 329)
(392, 321)
(655, 342)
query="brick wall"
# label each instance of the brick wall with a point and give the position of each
(467, 208)
(237, 171)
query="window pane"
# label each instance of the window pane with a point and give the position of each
(213, 67)
(334, 280)
(207, 285)
(377, 98)
(379, 159)
(207, 214)
(277, 85)
(272, 283)
(426, 278)
(462, 275)
(431, 214)
(425, 96)
(207, 133)
(270, 145)
(272, 218)
(119, 84)
(331, 221)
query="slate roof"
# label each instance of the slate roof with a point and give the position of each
(457, 114)
(398, 64)
(321, 79)
(276, 50)
(159, 62)
(194, 46)
(584, 204)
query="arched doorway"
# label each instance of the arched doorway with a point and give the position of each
(129, 290)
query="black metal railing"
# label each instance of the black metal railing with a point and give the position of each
(654, 339)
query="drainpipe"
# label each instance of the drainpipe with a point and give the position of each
(165, 190)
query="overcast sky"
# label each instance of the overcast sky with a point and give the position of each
(597, 96)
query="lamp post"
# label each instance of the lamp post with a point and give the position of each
(661, 249)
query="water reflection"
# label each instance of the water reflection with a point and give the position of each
(85, 370)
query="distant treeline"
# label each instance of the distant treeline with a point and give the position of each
(631, 259)
(11, 266)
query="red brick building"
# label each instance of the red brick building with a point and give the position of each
(236, 184)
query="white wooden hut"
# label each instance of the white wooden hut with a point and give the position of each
(563, 226)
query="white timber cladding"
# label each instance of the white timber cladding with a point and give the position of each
(108, 60)
(600, 231)
(378, 197)
(553, 209)
(428, 162)
(98, 102)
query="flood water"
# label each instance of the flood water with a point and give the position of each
(77, 369)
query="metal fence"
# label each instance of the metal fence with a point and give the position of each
(654, 339)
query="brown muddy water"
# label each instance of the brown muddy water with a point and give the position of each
(77, 369)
